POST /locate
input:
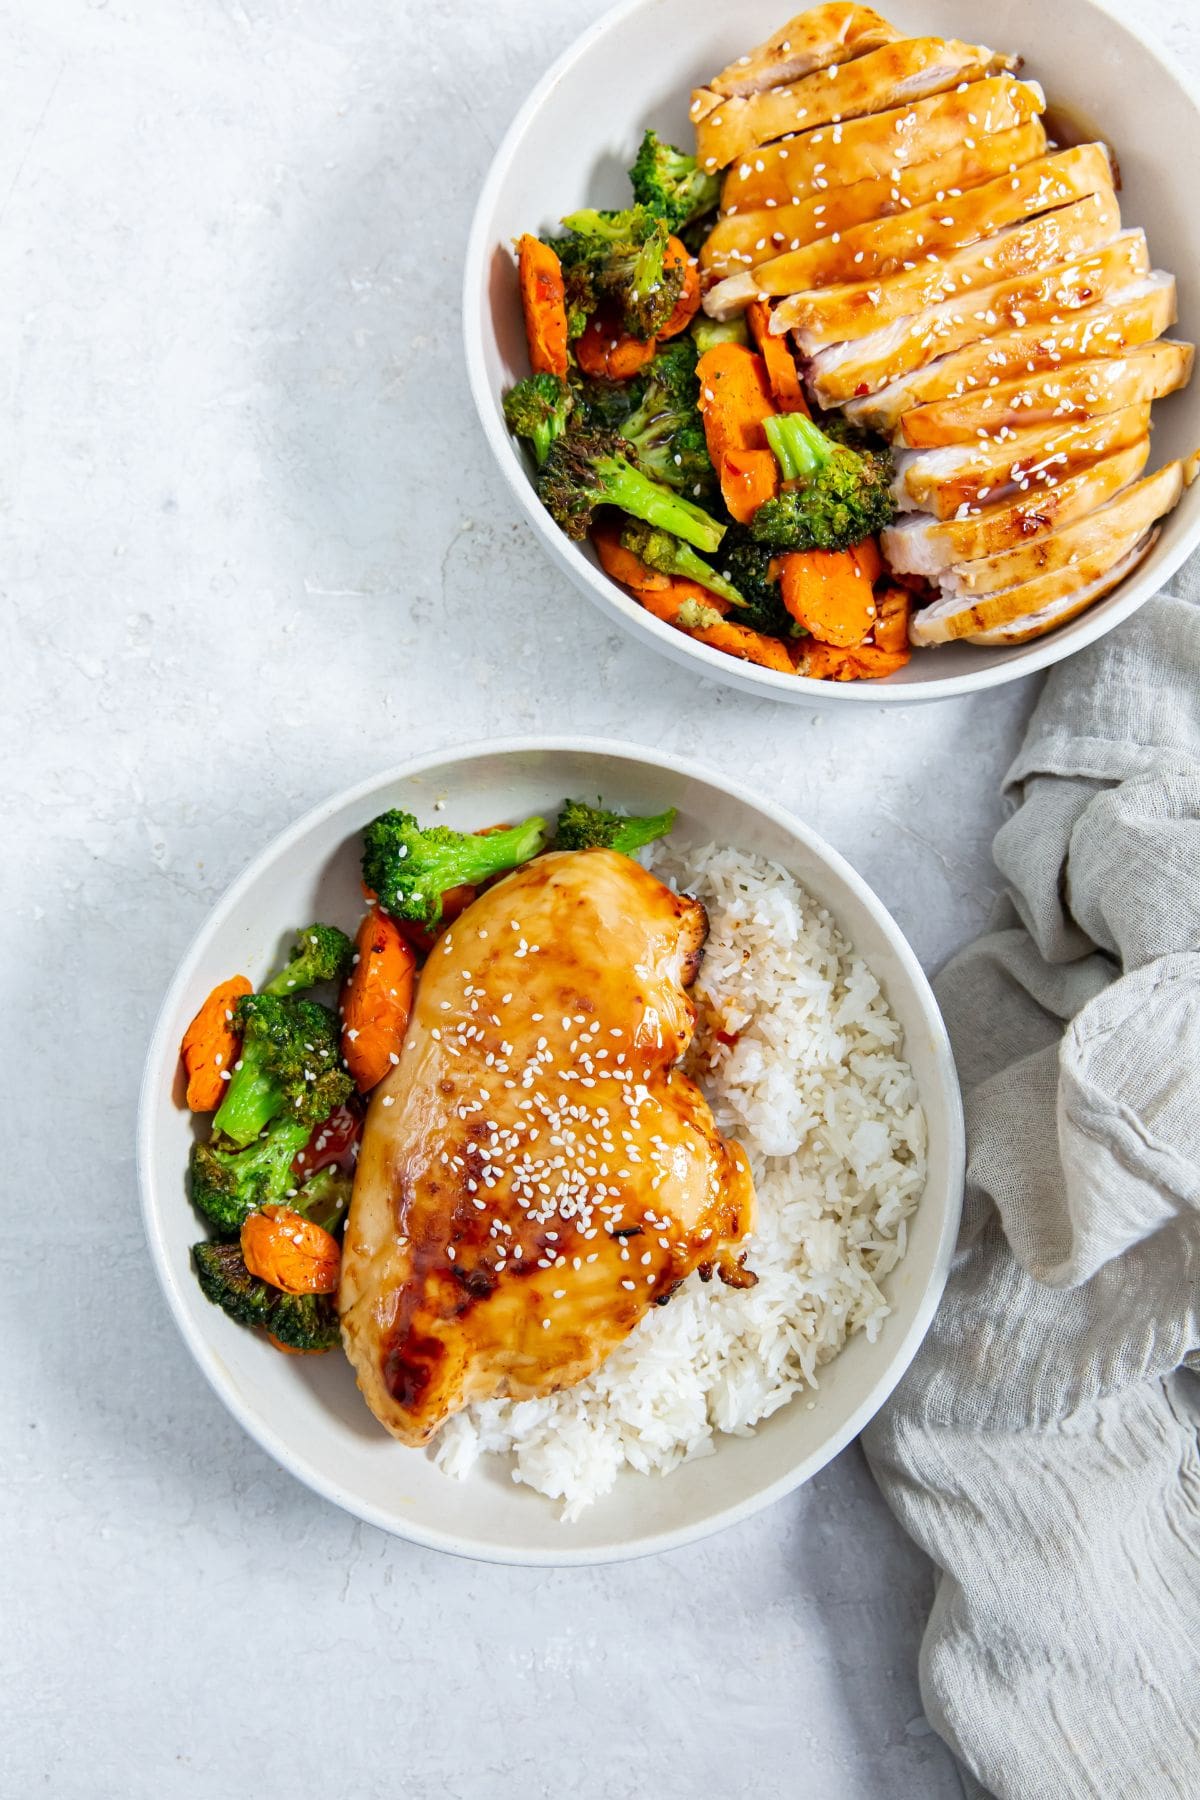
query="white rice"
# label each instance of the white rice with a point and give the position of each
(817, 1092)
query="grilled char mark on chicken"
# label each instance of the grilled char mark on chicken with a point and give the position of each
(536, 1172)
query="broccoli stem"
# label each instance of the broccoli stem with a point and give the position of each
(707, 333)
(659, 550)
(252, 1099)
(635, 493)
(800, 447)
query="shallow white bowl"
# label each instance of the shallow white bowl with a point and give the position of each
(307, 1412)
(576, 135)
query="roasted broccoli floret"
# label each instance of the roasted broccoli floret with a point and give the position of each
(659, 550)
(618, 257)
(671, 185)
(320, 953)
(325, 1197)
(748, 566)
(584, 827)
(587, 469)
(410, 866)
(301, 1321)
(228, 1185)
(666, 428)
(537, 409)
(706, 332)
(606, 405)
(837, 496)
(290, 1066)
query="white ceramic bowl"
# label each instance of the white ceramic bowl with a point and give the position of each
(307, 1412)
(574, 138)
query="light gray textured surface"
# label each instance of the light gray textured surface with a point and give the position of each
(253, 551)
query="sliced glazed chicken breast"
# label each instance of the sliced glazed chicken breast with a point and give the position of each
(875, 147)
(1136, 316)
(881, 81)
(1027, 626)
(964, 616)
(881, 248)
(832, 315)
(920, 545)
(942, 481)
(1069, 605)
(745, 239)
(812, 40)
(1080, 390)
(854, 368)
(1133, 511)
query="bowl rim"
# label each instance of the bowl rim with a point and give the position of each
(1021, 660)
(162, 1058)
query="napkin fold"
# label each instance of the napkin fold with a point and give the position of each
(1044, 1447)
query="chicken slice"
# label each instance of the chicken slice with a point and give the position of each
(942, 481)
(812, 40)
(853, 368)
(832, 315)
(536, 1172)
(884, 79)
(1133, 317)
(1027, 626)
(920, 545)
(884, 247)
(874, 148)
(947, 620)
(744, 239)
(1080, 390)
(1133, 511)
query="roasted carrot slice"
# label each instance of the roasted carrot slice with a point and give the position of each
(604, 351)
(543, 301)
(827, 592)
(289, 1251)
(376, 1000)
(782, 372)
(892, 607)
(866, 554)
(735, 398)
(748, 477)
(733, 639)
(688, 303)
(621, 563)
(861, 662)
(211, 1045)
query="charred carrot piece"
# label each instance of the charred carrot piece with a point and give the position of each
(782, 373)
(287, 1250)
(377, 1000)
(862, 662)
(735, 398)
(748, 477)
(543, 301)
(827, 592)
(605, 352)
(688, 303)
(211, 1045)
(892, 608)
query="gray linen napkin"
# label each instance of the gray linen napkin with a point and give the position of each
(1044, 1448)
